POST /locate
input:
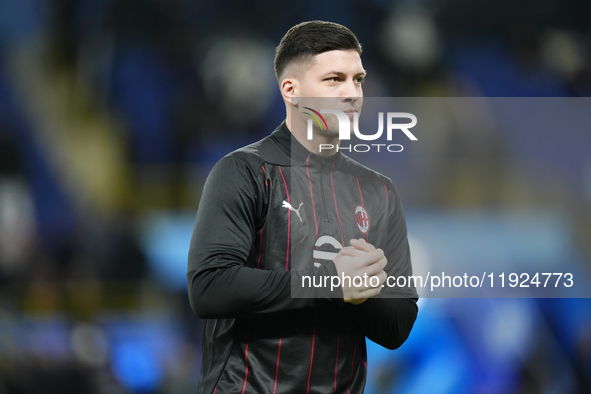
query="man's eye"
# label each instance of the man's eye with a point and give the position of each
(360, 79)
(333, 79)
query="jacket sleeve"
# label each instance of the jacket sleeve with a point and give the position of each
(389, 318)
(220, 284)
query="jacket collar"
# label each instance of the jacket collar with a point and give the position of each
(299, 154)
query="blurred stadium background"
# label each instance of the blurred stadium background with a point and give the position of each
(112, 112)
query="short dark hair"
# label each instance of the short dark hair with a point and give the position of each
(308, 39)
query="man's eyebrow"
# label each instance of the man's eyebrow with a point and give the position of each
(362, 73)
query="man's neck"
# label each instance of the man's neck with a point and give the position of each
(313, 145)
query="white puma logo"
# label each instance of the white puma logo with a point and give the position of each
(297, 211)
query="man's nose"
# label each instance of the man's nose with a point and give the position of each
(351, 91)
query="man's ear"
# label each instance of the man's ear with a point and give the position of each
(289, 89)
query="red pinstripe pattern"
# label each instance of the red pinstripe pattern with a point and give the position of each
(360, 194)
(312, 356)
(353, 362)
(386, 190)
(311, 195)
(260, 249)
(336, 364)
(363, 205)
(261, 235)
(335, 205)
(316, 225)
(277, 366)
(246, 362)
(352, 365)
(288, 220)
(286, 268)
(265, 171)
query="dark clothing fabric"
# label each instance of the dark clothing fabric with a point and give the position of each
(263, 209)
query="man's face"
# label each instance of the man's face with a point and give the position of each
(334, 74)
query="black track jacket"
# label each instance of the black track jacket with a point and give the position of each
(263, 209)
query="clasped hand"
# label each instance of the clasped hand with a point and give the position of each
(361, 260)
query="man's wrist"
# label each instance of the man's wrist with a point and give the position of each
(355, 301)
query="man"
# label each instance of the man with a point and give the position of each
(270, 213)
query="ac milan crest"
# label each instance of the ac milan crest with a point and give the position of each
(362, 219)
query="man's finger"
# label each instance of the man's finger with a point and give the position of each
(372, 257)
(351, 251)
(375, 268)
(383, 262)
(361, 244)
